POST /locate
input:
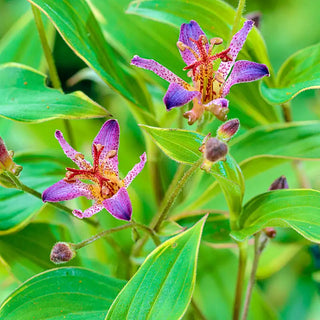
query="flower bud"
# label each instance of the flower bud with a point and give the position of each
(270, 232)
(215, 150)
(62, 252)
(280, 183)
(226, 131)
(6, 162)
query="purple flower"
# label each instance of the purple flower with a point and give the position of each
(210, 86)
(104, 187)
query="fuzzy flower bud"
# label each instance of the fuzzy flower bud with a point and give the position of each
(226, 131)
(62, 252)
(214, 150)
(270, 232)
(280, 183)
(6, 162)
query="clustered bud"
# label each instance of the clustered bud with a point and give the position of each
(226, 131)
(62, 252)
(215, 150)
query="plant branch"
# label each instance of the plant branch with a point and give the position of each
(197, 310)
(240, 279)
(286, 111)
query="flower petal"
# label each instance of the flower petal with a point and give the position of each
(245, 71)
(160, 70)
(135, 170)
(119, 205)
(63, 190)
(177, 96)
(108, 137)
(235, 46)
(88, 212)
(74, 155)
(187, 31)
(219, 107)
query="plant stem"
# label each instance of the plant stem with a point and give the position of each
(46, 48)
(259, 245)
(99, 235)
(151, 232)
(53, 73)
(197, 310)
(23, 187)
(237, 18)
(163, 213)
(240, 279)
(286, 111)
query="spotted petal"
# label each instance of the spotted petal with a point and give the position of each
(160, 70)
(190, 30)
(88, 212)
(177, 96)
(219, 107)
(74, 155)
(245, 71)
(236, 45)
(108, 137)
(119, 205)
(63, 190)
(135, 170)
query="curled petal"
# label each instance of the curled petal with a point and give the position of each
(63, 190)
(135, 170)
(190, 30)
(88, 212)
(160, 70)
(119, 205)
(245, 71)
(219, 107)
(108, 137)
(177, 96)
(236, 45)
(74, 155)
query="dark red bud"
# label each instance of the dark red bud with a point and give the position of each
(226, 131)
(270, 232)
(62, 252)
(215, 150)
(280, 183)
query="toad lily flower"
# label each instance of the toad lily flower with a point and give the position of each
(100, 181)
(210, 86)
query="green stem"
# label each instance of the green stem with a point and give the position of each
(38, 195)
(53, 73)
(151, 232)
(240, 279)
(99, 235)
(286, 111)
(198, 313)
(237, 18)
(163, 213)
(46, 48)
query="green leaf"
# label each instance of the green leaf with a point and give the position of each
(295, 140)
(298, 209)
(21, 43)
(163, 286)
(26, 252)
(216, 18)
(25, 97)
(17, 207)
(180, 145)
(77, 25)
(299, 72)
(72, 293)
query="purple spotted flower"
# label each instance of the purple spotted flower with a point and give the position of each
(210, 86)
(99, 182)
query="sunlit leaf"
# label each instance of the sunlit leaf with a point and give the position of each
(163, 286)
(25, 97)
(72, 293)
(22, 43)
(299, 72)
(298, 209)
(26, 252)
(78, 27)
(17, 207)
